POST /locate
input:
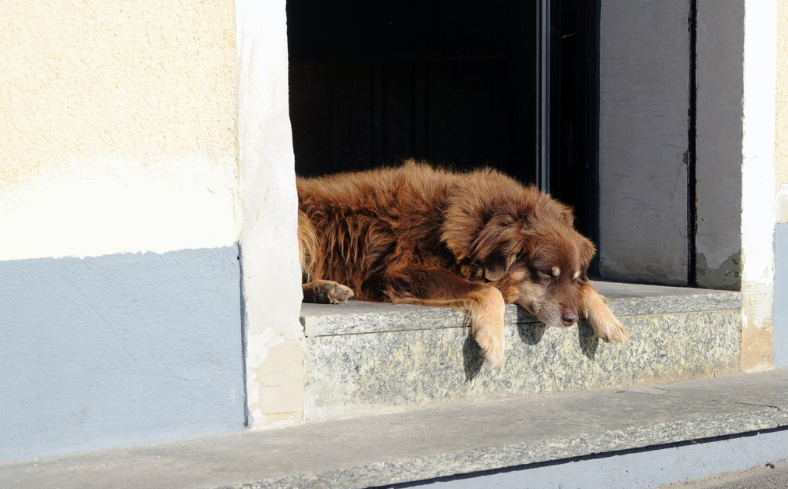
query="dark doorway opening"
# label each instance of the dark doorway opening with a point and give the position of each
(503, 83)
(573, 97)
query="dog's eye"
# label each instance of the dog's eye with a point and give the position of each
(545, 276)
(540, 275)
(580, 278)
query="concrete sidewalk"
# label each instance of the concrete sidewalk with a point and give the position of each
(423, 445)
(766, 476)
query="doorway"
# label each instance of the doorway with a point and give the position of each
(504, 83)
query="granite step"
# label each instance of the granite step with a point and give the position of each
(625, 438)
(364, 358)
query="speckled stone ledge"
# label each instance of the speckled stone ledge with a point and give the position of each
(381, 450)
(358, 317)
(364, 358)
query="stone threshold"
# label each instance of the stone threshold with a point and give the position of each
(397, 448)
(357, 317)
(365, 358)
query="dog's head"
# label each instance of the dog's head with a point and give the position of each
(547, 278)
(530, 251)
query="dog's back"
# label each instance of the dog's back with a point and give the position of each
(366, 222)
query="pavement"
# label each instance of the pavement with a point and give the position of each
(460, 440)
(771, 475)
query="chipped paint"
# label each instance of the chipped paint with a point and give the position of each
(727, 275)
(281, 379)
(757, 353)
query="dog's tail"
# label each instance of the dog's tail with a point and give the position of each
(307, 246)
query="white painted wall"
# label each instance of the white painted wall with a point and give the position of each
(759, 109)
(758, 181)
(101, 205)
(268, 217)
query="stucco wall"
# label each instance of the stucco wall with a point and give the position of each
(780, 314)
(118, 143)
(781, 143)
(117, 127)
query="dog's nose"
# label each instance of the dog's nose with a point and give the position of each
(569, 318)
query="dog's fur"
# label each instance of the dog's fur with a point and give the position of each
(420, 235)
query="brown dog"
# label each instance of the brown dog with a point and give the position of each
(478, 240)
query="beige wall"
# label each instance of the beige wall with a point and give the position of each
(117, 126)
(154, 126)
(780, 310)
(781, 170)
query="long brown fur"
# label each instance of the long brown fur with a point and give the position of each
(420, 235)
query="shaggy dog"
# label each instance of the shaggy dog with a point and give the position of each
(420, 235)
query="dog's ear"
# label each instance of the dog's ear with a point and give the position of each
(587, 251)
(567, 216)
(497, 247)
(479, 234)
(496, 265)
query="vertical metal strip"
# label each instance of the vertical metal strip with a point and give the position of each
(543, 90)
(692, 207)
(593, 50)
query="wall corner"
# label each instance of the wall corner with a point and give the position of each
(267, 218)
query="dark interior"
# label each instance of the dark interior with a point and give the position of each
(574, 107)
(452, 82)
(373, 83)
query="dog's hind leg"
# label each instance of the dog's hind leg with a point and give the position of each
(604, 323)
(484, 304)
(317, 291)
(307, 245)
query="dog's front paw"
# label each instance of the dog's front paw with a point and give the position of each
(602, 319)
(487, 307)
(492, 345)
(608, 328)
(329, 292)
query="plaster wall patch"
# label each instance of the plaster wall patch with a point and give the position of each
(106, 205)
